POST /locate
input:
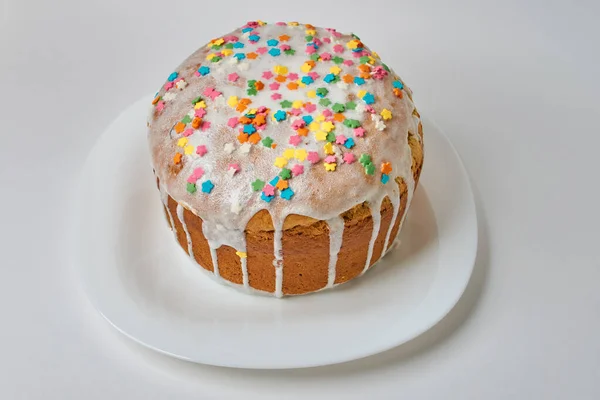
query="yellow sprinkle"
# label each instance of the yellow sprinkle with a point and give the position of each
(200, 104)
(241, 254)
(311, 93)
(353, 44)
(300, 154)
(294, 23)
(320, 118)
(328, 148)
(211, 56)
(386, 114)
(297, 104)
(261, 23)
(361, 93)
(219, 41)
(280, 162)
(306, 67)
(321, 136)
(300, 83)
(280, 70)
(189, 149)
(313, 126)
(371, 60)
(327, 126)
(227, 52)
(288, 153)
(311, 32)
(182, 142)
(252, 111)
(375, 54)
(330, 166)
(335, 70)
(232, 101)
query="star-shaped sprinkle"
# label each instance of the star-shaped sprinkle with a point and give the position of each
(276, 96)
(300, 154)
(340, 139)
(284, 38)
(232, 122)
(330, 166)
(313, 157)
(338, 108)
(280, 115)
(266, 198)
(245, 148)
(258, 185)
(368, 98)
(352, 123)
(191, 188)
(287, 193)
(207, 186)
(269, 190)
(286, 104)
(349, 143)
(297, 169)
(233, 77)
(386, 168)
(386, 114)
(229, 148)
(385, 178)
(204, 70)
(201, 150)
(295, 140)
(349, 158)
(280, 162)
(285, 173)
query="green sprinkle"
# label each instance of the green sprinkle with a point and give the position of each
(330, 137)
(308, 38)
(197, 100)
(337, 60)
(370, 169)
(315, 57)
(216, 59)
(322, 91)
(216, 47)
(229, 46)
(290, 52)
(285, 173)
(350, 105)
(187, 119)
(364, 60)
(258, 185)
(191, 187)
(352, 123)
(286, 104)
(385, 67)
(252, 92)
(355, 36)
(324, 102)
(252, 83)
(338, 108)
(364, 159)
(267, 142)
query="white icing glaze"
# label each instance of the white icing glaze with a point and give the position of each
(185, 229)
(232, 203)
(164, 196)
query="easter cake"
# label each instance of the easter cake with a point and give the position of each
(286, 157)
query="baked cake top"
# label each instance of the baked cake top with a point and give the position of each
(286, 117)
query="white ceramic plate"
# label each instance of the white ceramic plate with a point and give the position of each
(145, 285)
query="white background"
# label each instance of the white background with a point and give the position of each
(514, 84)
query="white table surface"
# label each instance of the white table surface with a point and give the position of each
(515, 86)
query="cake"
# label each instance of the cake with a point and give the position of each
(286, 157)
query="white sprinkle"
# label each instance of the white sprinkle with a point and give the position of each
(229, 148)
(169, 96)
(233, 60)
(236, 207)
(181, 84)
(220, 101)
(360, 107)
(231, 172)
(342, 85)
(245, 148)
(243, 66)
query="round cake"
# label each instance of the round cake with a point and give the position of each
(286, 156)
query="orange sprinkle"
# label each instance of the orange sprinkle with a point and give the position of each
(311, 63)
(348, 78)
(259, 85)
(365, 75)
(274, 145)
(309, 26)
(284, 38)
(302, 131)
(196, 122)
(177, 158)
(254, 138)
(364, 68)
(245, 101)
(252, 55)
(245, 120)
(156, 99)
(242, 137)
(339, 117)
(398, 92)
(240, 107)
(281, 184)
(280, 78)
(259, 120)
(179, 127)
(386, 168)
(292, 86)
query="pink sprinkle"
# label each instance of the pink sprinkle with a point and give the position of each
(211, 92)
(349, 158)
(327, 112)
(191, 179)
(330, 159)
(338, 48)
(276, 96)
(274, 85)
(369, 109)
(357, 54)
(201, 150)
(318, 42)
(160, 106)
(336, 34)
(297, 169)
(310, 107)
(284, 47)
(281, 24)
(292, 76)
(349, 63)
(233, 121)
(200, 112)
(262, 109)
(313, 157)
(196, 73)
(340, 139)
(327, 40)
(295, 140)
(235, 167)
(262, 50)
(379, 72)
(188, 132)
(169, 85)
(253, 24)
(269, 190)
(295, 111)
(261, 127)
(230, 38)
(267, 75)
(313, 75)
(326, 56)
(205, 125)
(359, 132)
(197, 174)
(310, 50)
(233, 77)
(177, 80)
(299, 123)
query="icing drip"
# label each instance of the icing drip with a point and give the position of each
(376, 217)
(396, 205)
(215, 260)
(336, 233)
(244, 262)
(185, 229)
(164, 196)
(278, 254)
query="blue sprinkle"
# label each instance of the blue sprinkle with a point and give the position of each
(287, 193)
(238, 45)
(173, 76)
(266, 198)
(369, 98)
(329, 77)
(253, 38)
(358, 80)
(204, 70)
(280, 115)
(398, 85)
(272, 42)
(274, 181)
(308, 119)
(307, 80)
(249, 128)
(251, 116)
(311, 44)
(385, 178)
(246, 30)
(207, 186)
(239, 56)
(349, 143)
(274, 52)
(358, 49)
